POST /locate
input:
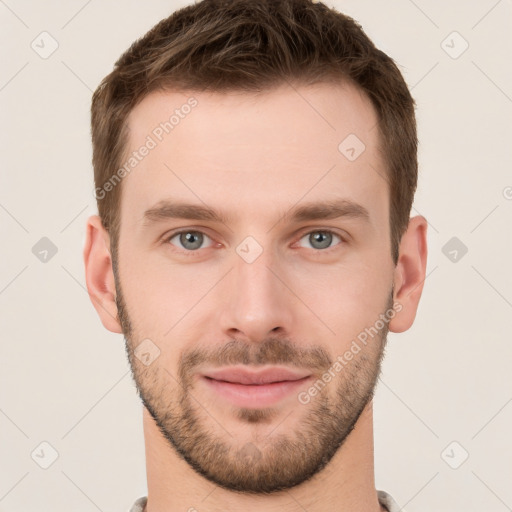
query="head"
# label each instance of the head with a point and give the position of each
(266, 222)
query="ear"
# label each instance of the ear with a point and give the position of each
(99, 275)
(410, 274)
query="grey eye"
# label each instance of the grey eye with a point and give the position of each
(321, 239)
(190, 240)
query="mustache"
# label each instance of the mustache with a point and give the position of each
(272, 351)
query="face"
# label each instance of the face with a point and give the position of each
(252, 240)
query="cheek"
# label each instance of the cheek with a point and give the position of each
(346, 298)
(162, 296)
(146, 292)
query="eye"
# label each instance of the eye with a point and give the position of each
(189, 240)
(321, 239)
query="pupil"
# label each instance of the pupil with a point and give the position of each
(190, 238)
(322, 238)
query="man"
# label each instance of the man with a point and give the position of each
(255, 165)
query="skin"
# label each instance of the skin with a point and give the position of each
(255, 157)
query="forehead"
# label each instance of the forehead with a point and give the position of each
(258, 149)
(325, 108)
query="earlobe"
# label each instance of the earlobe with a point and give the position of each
(410, 274)
(99, 275)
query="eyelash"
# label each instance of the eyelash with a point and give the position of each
(167, 238)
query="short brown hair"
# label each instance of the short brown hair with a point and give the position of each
(247, 45)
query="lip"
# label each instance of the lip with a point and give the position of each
(240, 375)
(253, 389)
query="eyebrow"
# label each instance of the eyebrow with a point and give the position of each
(324, 210)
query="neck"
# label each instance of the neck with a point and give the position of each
(345, 484)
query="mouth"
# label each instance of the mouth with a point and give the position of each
(254, 389)
(240, 375)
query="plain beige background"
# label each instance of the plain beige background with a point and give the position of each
(445, 392)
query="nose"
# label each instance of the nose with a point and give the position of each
(258, 302)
